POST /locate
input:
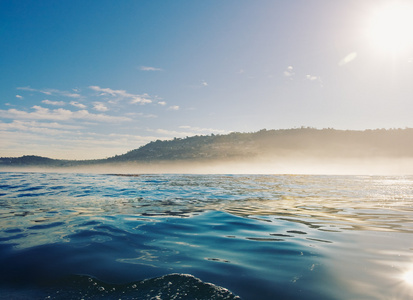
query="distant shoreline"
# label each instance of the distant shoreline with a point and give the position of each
(303, 150)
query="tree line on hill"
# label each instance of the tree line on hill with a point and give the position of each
(302, 141)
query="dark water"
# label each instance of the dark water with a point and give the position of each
(82, 236)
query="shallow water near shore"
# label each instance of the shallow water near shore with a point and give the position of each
(74, 236)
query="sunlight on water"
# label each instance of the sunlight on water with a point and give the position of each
(257, 236)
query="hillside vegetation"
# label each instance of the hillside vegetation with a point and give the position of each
(303, 141)
(300, 142)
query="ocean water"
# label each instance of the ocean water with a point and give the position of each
(90, 236)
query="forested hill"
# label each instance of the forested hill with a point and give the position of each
(302, 141)
(285, 142)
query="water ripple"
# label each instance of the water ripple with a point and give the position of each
(248, 233)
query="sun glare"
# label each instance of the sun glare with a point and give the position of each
(390, 28)
(408, 277)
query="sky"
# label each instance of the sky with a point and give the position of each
(94, 79)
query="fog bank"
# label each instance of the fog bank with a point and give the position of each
(263, 165)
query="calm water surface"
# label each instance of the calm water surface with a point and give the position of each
(85, 236)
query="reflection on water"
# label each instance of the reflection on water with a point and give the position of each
(312, 237)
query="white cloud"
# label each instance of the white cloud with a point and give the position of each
(111, 92)
(18, 96)
(72, 95)
(173, 107)
(85, 115)
(170, 133)
(311, 77)
(27, 88)
(133, 114)
(69, 144)
(188, 131)
(77, 104)
(315, 79)
(122, 94)
(61, 103)
(142, 99)
(204, 83)
(348, 58)
(99, 106)
(41, 113)
(149, 116)
(163, 103)
(38, 127)
(145, 68)
(51, 92)
(289, 72)
(204, 130)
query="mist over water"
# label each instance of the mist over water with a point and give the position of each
(252, 236)
(283, 151)
(288, 164)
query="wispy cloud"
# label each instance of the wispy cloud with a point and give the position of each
(109, 91)
(315, 79)
(348, 58)
(204, 130)
(74, 124)
(146, 68)
(311, 77)
(122, 94)
(77, 104)
(41, 113)
(29, 89)
(142, 99)
(173, 107)
(51, 92)
(99, 106)
(289, 72)
(39, 127)
(68, 141)
(67, 94)
(204, 83)
(187, 131)
(134, 114)
(57, 103)
(169, 133)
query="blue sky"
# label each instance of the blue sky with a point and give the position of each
(92, 79)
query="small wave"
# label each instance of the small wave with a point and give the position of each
(172, 286)
(46, 226)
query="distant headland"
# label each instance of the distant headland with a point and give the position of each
(277, 147)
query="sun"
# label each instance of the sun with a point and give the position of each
(390, 28)
(408, 277)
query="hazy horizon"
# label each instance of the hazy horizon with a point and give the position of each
(292, 145)
(304, 165)
(89, 80)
